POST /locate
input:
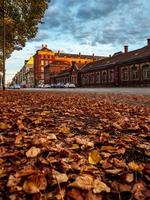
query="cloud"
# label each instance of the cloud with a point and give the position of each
(40, 37)
(98, 21)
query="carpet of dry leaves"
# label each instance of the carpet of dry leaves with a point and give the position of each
(61, 146)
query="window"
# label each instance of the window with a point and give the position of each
(146, 71)
(104, 76)
(92, 78)
(42, 62)
(111, 75)
(124, 74)
(46, 62)
(134, 73)
(42, 69)
(97, 77)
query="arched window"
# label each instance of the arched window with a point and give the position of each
(111, 76)
(146, 71)
(104, 76)
(134, 73)
(124, 74)
(91, 78)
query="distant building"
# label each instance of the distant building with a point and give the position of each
(128, 68)
(45, 56)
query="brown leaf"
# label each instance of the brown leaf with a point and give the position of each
(99, 186)
(129, 178)
(34, 184)
(13, 181)
(137, 191)
(59, 177)
(119, 163)
(30, 187)
(84, 182)
(74, 194)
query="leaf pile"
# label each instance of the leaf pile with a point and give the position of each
(74, 146)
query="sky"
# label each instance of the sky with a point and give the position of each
(101, 27)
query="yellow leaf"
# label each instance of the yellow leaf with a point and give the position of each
(30, 188)
(38, 120)
(4, 126)
(135, 166)
(94, 157)
(65, 129)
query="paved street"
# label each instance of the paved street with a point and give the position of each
(133, 91)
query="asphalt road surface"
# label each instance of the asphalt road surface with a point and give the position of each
(132, 91)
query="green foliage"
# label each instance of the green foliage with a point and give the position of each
(21, 21)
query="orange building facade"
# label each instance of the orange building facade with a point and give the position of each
(56, 62)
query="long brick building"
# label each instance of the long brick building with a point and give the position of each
(128, 68)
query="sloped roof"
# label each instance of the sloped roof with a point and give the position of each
(78, 55)
(119, 58)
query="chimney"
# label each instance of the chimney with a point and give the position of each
(93, 55)
(58, 52)
(42, 45)
(126, 49)
(46, 45)
(79, 54)
(148, 41)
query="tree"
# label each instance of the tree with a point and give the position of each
(19, 21)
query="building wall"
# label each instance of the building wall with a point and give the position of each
(133, 74)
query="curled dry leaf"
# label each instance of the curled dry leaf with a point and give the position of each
(26, 171)
(113, 171)
(59, 177)
(21, 126)
(30, 188)
(74, 194)
(138, 190)
(117, 126)
(13, 181)
(33, 152)
(99, 186)
(18, 139)
(94, 157)
(34, 184)
(129, 178)
(51, 137)
(84, 182)
(119, 163)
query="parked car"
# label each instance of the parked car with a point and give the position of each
(60, 85)
(66, 85)
(47, 86)
(72, 85)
